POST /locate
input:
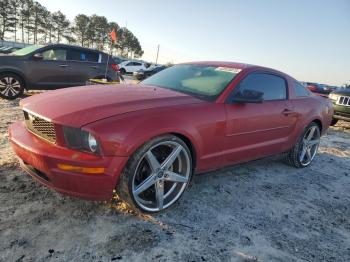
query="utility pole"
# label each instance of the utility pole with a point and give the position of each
(157, 54)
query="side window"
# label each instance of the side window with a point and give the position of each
(273, 87)
(73, 55)
(55, 54)
(300, 90)
(137, 64)
(82, 55)
(130, 64)
(91, 56)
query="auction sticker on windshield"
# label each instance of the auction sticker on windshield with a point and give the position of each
(228, 69)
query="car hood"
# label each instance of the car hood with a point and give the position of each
(79, 106)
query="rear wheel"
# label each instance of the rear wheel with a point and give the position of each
(11, 86)
(156, 175)
(304, 152)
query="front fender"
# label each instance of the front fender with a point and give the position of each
(144, 132)
(123, 135)
(202, 124)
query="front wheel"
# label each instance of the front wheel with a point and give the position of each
(11, 86)
(156, 175)
(304, 152)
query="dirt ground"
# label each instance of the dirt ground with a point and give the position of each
(259, 211)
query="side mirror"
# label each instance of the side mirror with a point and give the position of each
(38, 57)
(248, 96)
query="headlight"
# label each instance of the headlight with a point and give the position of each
(333, 96)
(81, 140)
(92, 143)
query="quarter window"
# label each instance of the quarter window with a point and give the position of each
(273, 87)
(55, 54)
(300, 90)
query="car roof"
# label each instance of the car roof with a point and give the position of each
(139, 61)
(220, 64)
(236, 66)
(73, 46)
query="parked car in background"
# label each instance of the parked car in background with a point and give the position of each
(50, 67)
(144, 73)
(128, 67)
(320, 89)
(146, 141)
(119, 59)
(341, 101)
(8, 49)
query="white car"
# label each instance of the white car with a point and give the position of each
(131, 66)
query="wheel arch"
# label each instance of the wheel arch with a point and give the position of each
(185, 137)
(17, 73)
(190, 146)
(319, 123)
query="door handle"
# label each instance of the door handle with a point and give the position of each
(95, 67)
(63, 65)
(288, 112)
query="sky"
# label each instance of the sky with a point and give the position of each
(308, 39)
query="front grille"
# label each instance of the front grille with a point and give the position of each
(344, 101)
(40, 127)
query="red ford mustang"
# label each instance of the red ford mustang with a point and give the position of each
(146, 141)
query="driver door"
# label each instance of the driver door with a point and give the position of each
(51, 70)
(255, 130)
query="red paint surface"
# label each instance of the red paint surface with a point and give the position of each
(122, 118)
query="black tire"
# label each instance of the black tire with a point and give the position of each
(138, 77)
(122, 71)
(125, 185)
(334, 121)
(11, 86)
(292, 156)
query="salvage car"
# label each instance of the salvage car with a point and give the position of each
(341, 102)
(51, 67)
(146, 141)
(8, 49)
(320, 89)
(144, 73)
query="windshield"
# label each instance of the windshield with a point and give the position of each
(27, 50)
(205, 82)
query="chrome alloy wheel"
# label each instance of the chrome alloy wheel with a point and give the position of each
(9, 86)
(161, 176)
(309, 146)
